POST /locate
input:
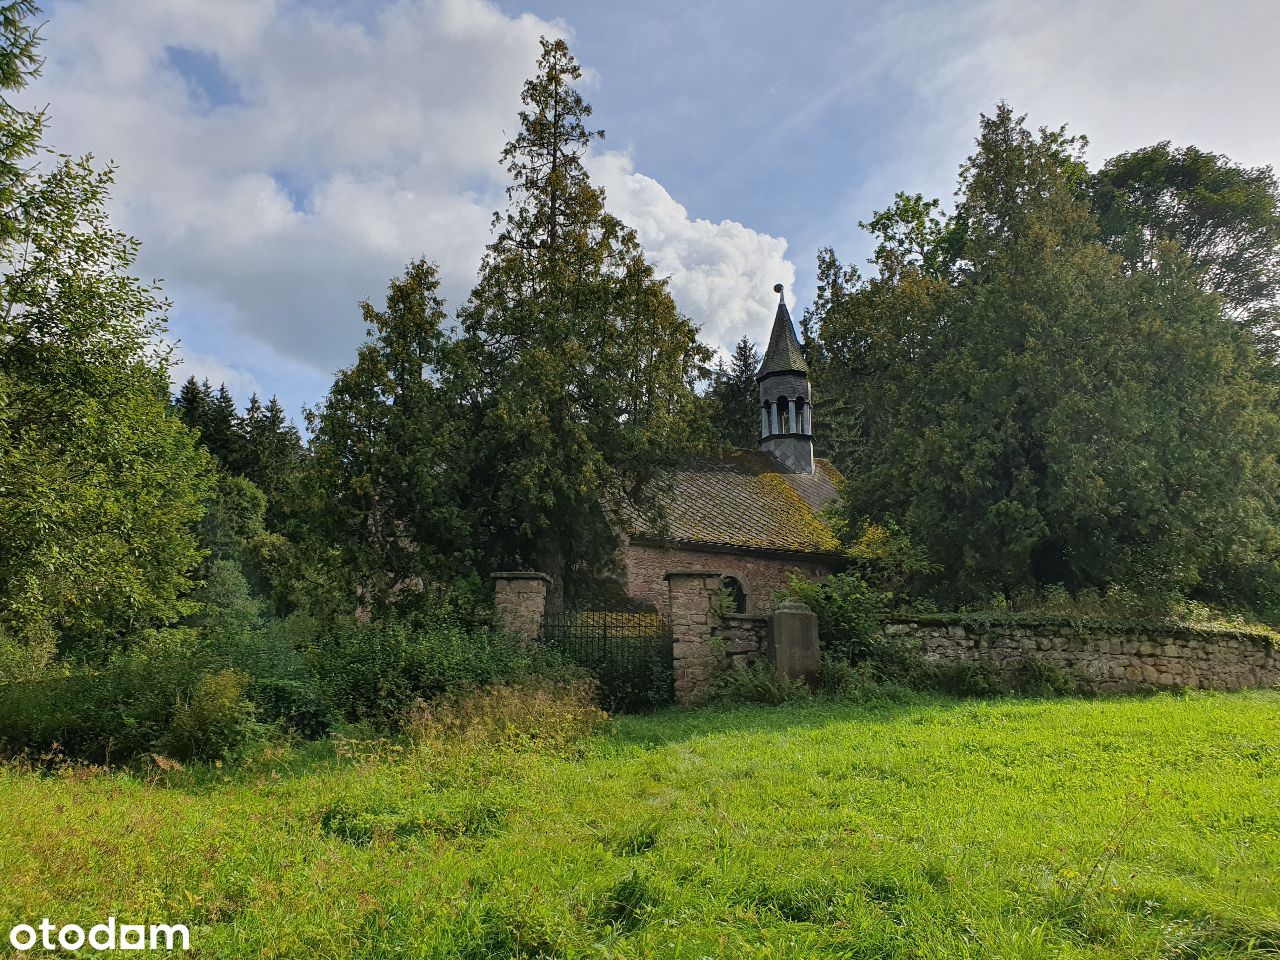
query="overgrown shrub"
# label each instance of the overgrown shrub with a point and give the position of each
(374, 671)
(966, 678)
(114, 710)
(862, 682)
(757, 683)
(850, 625)
(213, 721)
(1033, 677)
(983, 677)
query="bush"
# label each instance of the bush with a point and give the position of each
(114, 710)
(374, 671)
(850, 624)
(1028, 677)
(215, 720)
(1039, 678)
(757, 683)
(967, 678)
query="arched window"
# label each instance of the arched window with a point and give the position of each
(734, 586)
(764, 420)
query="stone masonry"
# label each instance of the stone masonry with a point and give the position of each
(519, 599)
(740, 638)
(696, 661)
(1103, 657)
(761, 576)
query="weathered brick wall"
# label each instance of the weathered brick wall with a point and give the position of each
(740, 637)
(1105, 658)
(761, 576)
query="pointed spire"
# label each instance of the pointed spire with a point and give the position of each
(785, 354)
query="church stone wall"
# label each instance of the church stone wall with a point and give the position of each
(761, 576)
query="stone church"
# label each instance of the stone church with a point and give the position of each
(755, 515)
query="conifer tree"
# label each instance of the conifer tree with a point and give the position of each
(578, 367)
(734, 398)
(385, 471)
(1034, 412)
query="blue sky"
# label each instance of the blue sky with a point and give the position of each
(280, 160)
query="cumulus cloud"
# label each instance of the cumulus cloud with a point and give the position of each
(281, 161)
(722, 274)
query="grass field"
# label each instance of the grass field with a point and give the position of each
(928, 828)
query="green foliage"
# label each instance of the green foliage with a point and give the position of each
(386, 479)
(576, 368)
(1029, 677)
(20, 130)
(99, 484)
(733, 398)
(849, 614)
(375, 671)
(1161, 204)
(1030, 408)
(884, 556)
(213, 721)
(757, 682)
(867, 681)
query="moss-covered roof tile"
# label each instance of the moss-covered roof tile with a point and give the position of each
(746, 499)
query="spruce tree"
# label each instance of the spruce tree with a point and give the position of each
(734, 398)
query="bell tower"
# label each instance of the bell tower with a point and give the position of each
(786, 406)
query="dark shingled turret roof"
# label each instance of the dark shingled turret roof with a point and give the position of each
(785, 353)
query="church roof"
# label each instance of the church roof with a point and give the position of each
(785, 353)
(748, 500)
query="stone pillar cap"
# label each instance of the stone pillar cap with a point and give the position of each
(519, 575)
(791, 605)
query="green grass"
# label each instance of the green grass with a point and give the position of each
(931, 828)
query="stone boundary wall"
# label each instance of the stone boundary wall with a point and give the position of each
(1105, 656)
(741, 637)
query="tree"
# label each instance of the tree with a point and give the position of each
(1036, 413)
(99, 483)
(271, 456)
(20, 130)
(576, 367)
(1162, 202)
(733, 399)
(389, 443)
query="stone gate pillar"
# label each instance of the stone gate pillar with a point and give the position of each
(519, 600)
(690, 594)
(791, 642)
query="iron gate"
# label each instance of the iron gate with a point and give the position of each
(629, 653)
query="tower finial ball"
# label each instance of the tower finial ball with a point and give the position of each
(777, 288)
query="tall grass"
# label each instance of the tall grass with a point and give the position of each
(926, 828)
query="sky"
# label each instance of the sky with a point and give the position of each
(282, 160)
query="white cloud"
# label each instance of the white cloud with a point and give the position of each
(239, 381)
(330, 154)
(722, 274)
